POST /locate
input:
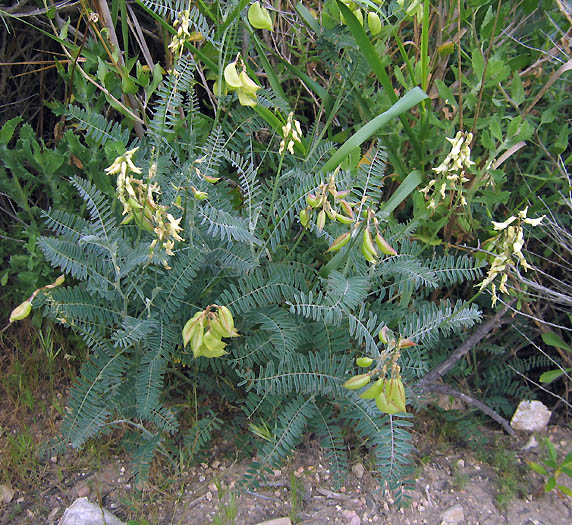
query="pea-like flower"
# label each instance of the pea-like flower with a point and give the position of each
(507, 249)
(292, 133)
(244, 86)
(451, 173)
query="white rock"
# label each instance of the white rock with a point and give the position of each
(531, 443)
(453, 515)
(359, 470)
(531, 416)
(6, 494)
(83, 512)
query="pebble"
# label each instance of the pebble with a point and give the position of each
(352, 516)
(453, 515)
(531, 443)
(6, 494)
(209, 495)
(359, 470)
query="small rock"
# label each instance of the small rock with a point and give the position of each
(531, 416)
(277, 521)
(453, 515)
(52, 515)
(461, 463)
(87, 513)
(531, 443)
(359, 470)
(54, 459)
(209, 495)
(352, 516)
(6, 494)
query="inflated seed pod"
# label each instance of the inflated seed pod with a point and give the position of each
(259, 17)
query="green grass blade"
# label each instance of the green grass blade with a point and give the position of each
(367, 49)
(307, 17)
(377, 66)
(425, 47)
(272, 77)
(410, 99)
(231, 17)
(402, 192)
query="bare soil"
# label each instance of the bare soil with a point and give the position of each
(452, 485)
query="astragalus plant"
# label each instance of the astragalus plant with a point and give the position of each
(257, 275)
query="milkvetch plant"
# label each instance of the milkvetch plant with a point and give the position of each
(249, 274)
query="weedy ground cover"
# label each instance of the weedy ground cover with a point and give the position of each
(272, 210)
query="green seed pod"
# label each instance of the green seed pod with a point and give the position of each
(259, 17)
(225, 316)
(405, 343)
(246, 99)
(367, 247)
(373, 23)
(312, 200)
(359, 15)
(304, 217)
(21, 312)
(374, 390)
(367, 255)
(321, 221)
(210, 179)
(248, 85)
(357, 382)
(340, 242)
(385, 335)
(199, 195)
(384, 246)
(343, 219)
(231, 76)
(210, 353)
(364, 362)
(381, 402)
(395, 394)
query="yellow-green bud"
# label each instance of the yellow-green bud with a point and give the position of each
(374, 23)
(21, 312)
(357, 382)
(364, 362)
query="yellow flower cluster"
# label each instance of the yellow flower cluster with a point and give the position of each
(507, 247)
(451, 173)
(291, 132)
(138, 199)
(183, 34)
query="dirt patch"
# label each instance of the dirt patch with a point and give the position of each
(452, 485)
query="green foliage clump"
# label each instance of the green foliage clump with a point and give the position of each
(200, 218)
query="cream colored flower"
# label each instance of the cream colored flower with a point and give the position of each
(450, 174)
(292, 132)
(123, 164)
(507, 246)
